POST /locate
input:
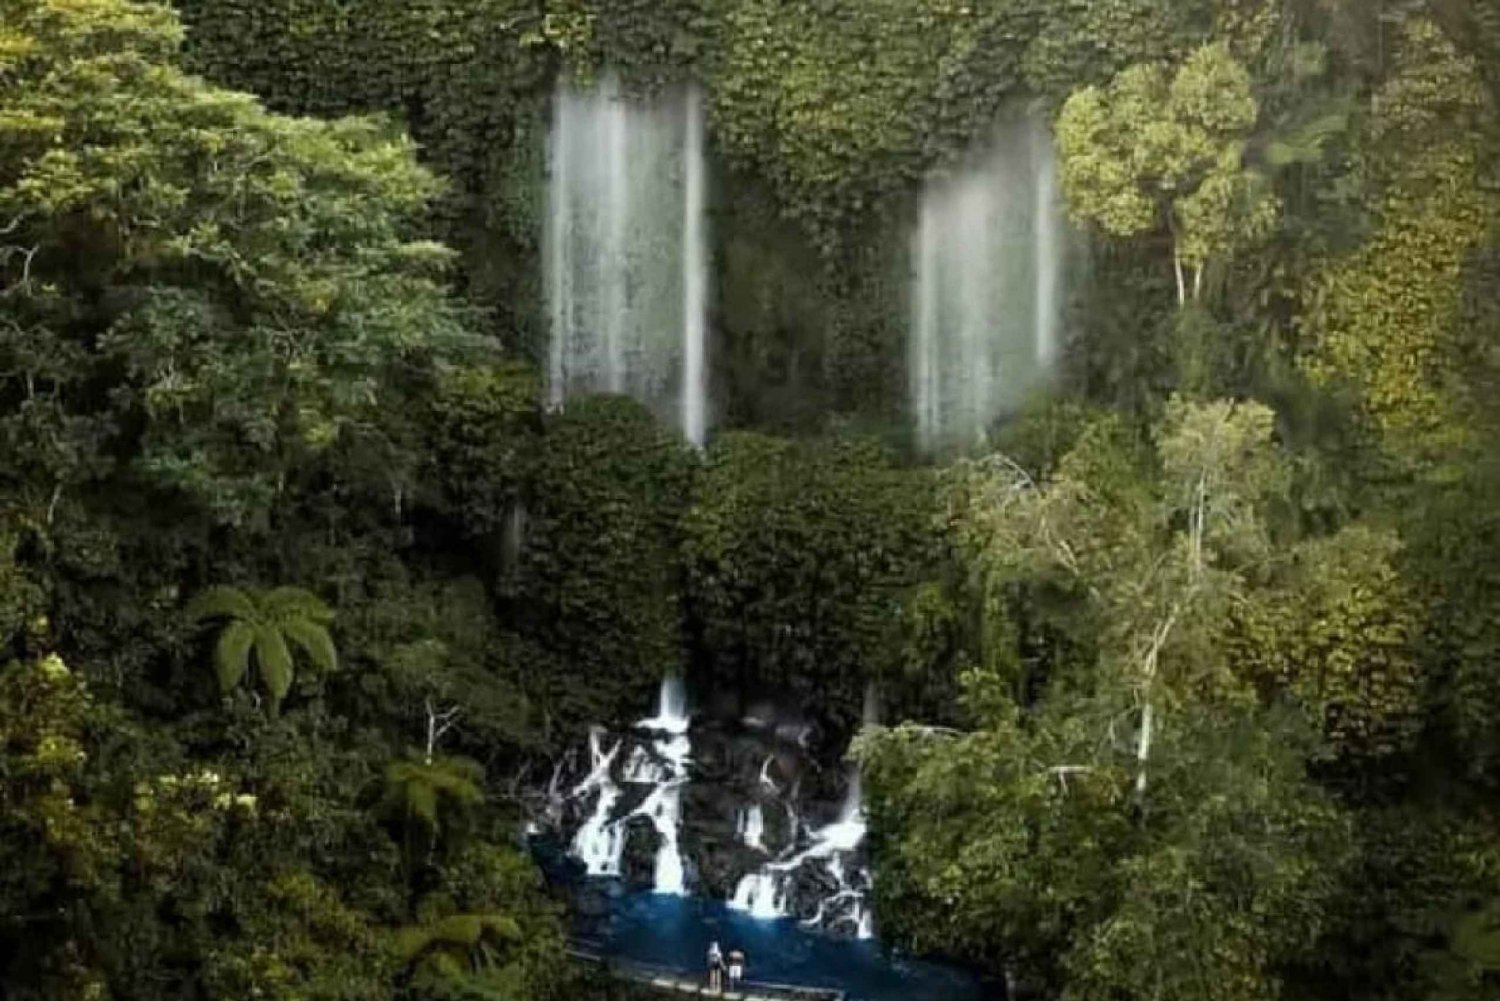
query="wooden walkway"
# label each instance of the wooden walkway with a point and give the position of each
(665, 979)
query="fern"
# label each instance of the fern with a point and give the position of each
(260, 624)
(457, 944)
(314, 640)
(232, 653)
(222, 602)
(417, 787)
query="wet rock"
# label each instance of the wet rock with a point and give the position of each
(638, 865)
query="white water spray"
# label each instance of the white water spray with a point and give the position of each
(663, 807)
(600, 842)
(987, 257)
(750, 826)
(627, 250)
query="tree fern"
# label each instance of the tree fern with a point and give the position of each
(421, 788)
(232, 653)
(458, 943)
(260, 623)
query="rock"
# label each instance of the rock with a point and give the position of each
(590, 901)
(638, 866)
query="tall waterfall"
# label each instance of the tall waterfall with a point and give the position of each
(987, 256)
(627, 250)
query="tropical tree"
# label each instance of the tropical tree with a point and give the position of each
(1134, 798)
(1161, 150)
(189, 284)
(428, 787)
(260, 623)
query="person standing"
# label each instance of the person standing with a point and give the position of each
(736, 968)
(715, 967)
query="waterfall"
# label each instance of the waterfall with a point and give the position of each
(600, 841)
(750, 826)
(763, 893)
(626, 254)
(694, 278)
(987, 257)
(662, 762)
(663, 807)
(819, 874)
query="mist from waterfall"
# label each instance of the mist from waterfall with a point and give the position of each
(987, 267)
(626, 255)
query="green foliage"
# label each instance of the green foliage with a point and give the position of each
(212, 277)
(1157, 152)
(1386, 319)
(800, 558)
(424, 787)
(1097, 814)
(599, 570)
(262, 622)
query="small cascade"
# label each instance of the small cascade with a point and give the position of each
(750, 827)
(760, 894)
(626, 253)
(765, 775)
(663, 807)
(661, 762)
(816, 873)
(763, 894)
(987, 273)
(600, 841)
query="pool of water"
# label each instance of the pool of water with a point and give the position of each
(675, 931)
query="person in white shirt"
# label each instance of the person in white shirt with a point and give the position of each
(715, 968)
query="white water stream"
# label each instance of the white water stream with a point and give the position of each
(626, 254)
(662, 764)
(987, 264)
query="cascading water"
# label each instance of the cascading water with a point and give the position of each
(599, 841)
(767, 867)
(661, 763)
(663, 807)
(750, 827)
(764, 893)
(627, 250)
(988, 255)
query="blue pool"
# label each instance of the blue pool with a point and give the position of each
(675, 932)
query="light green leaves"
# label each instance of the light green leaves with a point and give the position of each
(232, 653)
(260, 271)
(1161, 150)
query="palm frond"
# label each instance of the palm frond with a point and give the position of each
(412, 941)
(460, 929)
(283, 604)
(274, 661)
(232, 653)
(421, 800)
(222, 601)
(315, 641)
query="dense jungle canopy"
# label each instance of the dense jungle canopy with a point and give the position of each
(1192, 668)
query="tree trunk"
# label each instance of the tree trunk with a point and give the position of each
(1143, 748)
